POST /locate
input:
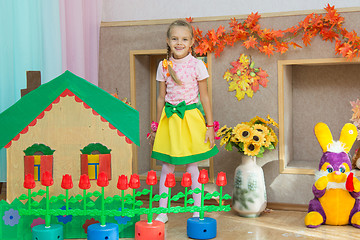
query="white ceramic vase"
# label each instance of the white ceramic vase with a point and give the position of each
(249, 195)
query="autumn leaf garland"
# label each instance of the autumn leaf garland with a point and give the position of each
(268, 41)
(244, 77)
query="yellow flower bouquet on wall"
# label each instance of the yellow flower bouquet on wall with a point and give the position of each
(251, 138)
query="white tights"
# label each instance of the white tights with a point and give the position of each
(191, 168)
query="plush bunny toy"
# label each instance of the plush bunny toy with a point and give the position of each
(336, 190)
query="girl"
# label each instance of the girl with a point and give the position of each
(182, 136)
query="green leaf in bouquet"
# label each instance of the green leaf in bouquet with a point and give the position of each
(164, 195)
(138, 203)
(79, 197)
(228, 146)
(190, 201)
(34, 194)
(89, 194)
(271, 147)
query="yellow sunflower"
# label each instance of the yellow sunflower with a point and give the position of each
(271, 121)
(258, 138)
(267, 140)
(261, 128)
(257, 118)
(251, 149)
(222, 131)
(243, 132)
(225, 138)
(273, 138)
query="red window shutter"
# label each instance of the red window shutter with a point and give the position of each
(105, 164)
(84, 164)
(46, 164)
(29, 165)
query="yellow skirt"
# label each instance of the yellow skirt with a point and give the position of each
(182, 141)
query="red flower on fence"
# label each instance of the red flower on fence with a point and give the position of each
(203, 176)
(29, 182)
(102, 180)
(84, 182)
(134, 181)
(46, 179)
(67, 182)
(170, 180)
(151, 178)
(123, 183)
(221, 179)
(186, 180)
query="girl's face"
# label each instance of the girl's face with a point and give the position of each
(180, 41)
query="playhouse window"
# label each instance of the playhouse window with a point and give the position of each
(38, 159)
(95, 158)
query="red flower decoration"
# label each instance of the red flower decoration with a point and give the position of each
(102, 180)
(151, 178)
(67, 182)
(134, 181)
(47, 179)
(186, 180)
(203, 176)
(89, 222)
(221, 179)
(170, 180)
(29, 182)
(84, 182)
(122, 183)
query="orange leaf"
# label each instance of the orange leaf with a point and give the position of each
(328, 34)
(351, 54)
(346, 47)
(267, 49)
(255, 86)
(252, 19)
(233, 23)
(189, 19)
(262, 73)
(220, 31)
(263, 82)
(282, 47)
(250, 43)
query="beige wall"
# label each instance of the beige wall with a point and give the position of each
(116, 42)
(67, 128)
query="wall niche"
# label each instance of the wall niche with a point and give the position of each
(312, 91)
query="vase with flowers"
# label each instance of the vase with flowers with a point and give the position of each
(251, 139)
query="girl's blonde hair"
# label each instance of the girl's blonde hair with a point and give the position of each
(178, 23)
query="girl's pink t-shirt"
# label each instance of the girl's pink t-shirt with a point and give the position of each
(189, 70)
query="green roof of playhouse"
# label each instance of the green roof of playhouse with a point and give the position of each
(16, 118)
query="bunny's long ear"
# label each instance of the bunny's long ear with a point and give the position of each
(348, 136)
(323, 135)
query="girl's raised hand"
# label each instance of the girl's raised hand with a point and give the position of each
(210, 136)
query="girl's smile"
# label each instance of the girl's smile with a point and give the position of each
(180, 41)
